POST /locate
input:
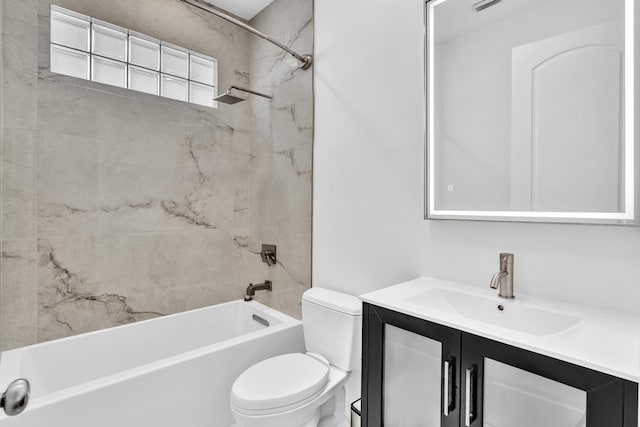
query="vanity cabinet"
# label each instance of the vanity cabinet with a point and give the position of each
(418, 373)
(405, 360)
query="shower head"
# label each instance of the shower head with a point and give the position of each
(484, 4)
(228, 98)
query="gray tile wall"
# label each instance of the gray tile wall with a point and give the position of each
(19, 291)
(280, 176)
(119, 206)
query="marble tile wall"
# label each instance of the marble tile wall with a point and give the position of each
(280, 189)
(19, 290)
(119, 206)
(1, 168)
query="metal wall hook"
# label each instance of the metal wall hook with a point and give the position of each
(15, 399)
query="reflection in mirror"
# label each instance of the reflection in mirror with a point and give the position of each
(531, 110)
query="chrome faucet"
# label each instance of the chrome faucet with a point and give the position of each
(251, 289)
(504, 277)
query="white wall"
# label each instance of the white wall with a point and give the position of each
(369, 143)
(369, 128)
(369, 230)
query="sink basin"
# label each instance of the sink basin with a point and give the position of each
(496, 311)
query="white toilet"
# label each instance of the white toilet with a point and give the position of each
(305, 390)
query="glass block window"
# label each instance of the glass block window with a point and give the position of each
(90, 49)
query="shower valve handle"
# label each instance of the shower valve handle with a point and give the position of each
(268, 255)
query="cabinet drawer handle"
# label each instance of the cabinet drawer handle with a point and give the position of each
(448, 400)
(470, 396)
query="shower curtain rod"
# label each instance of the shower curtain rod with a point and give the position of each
(305, 59)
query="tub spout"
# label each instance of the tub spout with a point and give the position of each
(251, 289)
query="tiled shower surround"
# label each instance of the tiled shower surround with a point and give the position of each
(119, 206)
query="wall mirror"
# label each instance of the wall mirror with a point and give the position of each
(530, 110)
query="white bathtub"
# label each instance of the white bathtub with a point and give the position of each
(174, 371)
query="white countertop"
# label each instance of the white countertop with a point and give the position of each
(604, 341)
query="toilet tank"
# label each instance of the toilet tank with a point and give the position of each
(332, 323)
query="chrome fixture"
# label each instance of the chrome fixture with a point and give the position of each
(268, 255)
(304, 60)
(482, 5)
(251, 289)
(261, 320)
(470, 409)
(504, 277)
(15, 399)
(449, 392)
(228, 98)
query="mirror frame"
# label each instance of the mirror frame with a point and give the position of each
(632, 155)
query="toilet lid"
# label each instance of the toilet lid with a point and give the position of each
(280, 381)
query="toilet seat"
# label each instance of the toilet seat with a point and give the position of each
(280, 383)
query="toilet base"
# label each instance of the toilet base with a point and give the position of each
(334, 412)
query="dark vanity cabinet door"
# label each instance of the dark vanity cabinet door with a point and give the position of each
(508, 386)
(411, 371)
(421, 374)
